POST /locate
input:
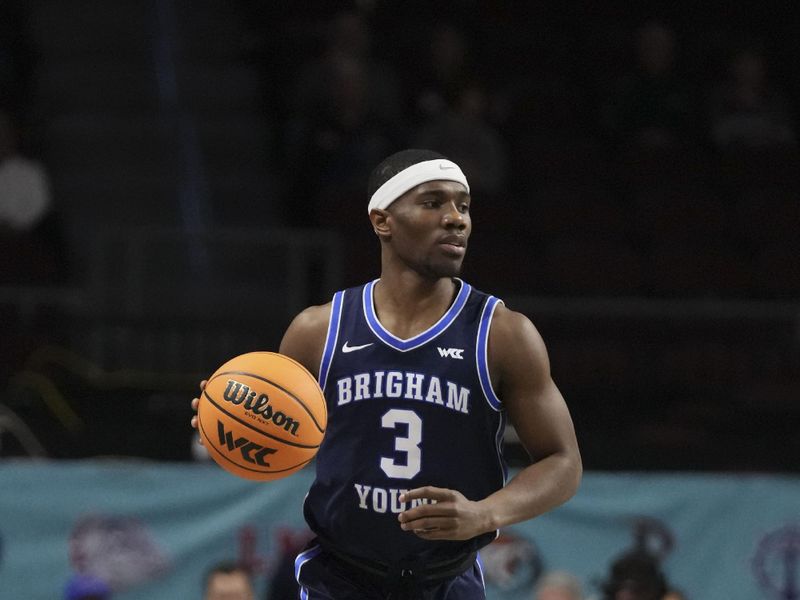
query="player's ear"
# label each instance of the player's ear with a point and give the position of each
(380, 222)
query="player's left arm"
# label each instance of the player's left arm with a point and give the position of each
(520, 372)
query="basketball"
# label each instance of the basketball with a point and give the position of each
(262, 416)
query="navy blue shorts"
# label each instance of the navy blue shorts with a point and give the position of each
(323, 577)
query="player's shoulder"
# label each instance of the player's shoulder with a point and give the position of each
(516, 348)
(512, 329)
(506, 324)
(316, 318)
(305, 336)
(313, 319)
(510, 321)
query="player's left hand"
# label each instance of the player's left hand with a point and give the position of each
(450, 517)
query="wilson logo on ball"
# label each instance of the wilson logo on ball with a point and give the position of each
(258, 404)
(251, 452)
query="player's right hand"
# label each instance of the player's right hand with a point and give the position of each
(195, 402)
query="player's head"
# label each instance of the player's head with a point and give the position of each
(419, 208)
(228, 581)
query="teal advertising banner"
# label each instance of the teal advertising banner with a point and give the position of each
(151, 530)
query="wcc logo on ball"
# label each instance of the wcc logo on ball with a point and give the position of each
(258, 404)
(251, 452)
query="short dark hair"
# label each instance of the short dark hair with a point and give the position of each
(399, 161)
(640, 569)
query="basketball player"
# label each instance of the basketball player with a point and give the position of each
(420, 371)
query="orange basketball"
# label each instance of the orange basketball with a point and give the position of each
(262, 416)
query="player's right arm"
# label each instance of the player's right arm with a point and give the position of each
(304, 339)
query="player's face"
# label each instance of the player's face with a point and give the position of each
(430, 227)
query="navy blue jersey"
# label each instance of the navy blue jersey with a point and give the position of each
(404, 414)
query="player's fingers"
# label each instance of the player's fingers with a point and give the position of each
(431, 534)
(430, 492)
(425, 524)
(195, 404)
(417, 525)
(441, 502)
(413, 516)
(434, 528)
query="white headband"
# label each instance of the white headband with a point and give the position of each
(429, 170)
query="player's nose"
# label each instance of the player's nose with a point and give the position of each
(453, 217)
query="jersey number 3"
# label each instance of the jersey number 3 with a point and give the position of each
(409, 443)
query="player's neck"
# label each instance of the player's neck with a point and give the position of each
(407, 304)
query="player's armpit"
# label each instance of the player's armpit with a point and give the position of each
(535, 405)
(539, 414)
(304, 339)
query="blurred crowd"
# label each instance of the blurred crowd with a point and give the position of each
(632, 575)
(632, 139)
(614, 151)
(628, 151)
(639, 156)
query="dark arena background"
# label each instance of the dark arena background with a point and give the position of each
(199, 172)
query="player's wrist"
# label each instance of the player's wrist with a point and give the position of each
(488, 517)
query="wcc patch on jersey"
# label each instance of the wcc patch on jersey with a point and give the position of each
(402, 414)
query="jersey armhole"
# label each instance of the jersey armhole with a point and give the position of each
(482, 353)
(331, 338)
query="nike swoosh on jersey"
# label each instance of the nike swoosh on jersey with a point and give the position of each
(347, 348)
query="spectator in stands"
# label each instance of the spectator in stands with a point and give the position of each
(558, 585)
(347, 107)
(464, 133)
(635, 575)
(348, 37)
(440, 73)
(16, 55)
(29, 251)
(228, 581)
(747, 109)
(281, 583)
(653, 105)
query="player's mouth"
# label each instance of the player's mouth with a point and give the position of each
(455, 245)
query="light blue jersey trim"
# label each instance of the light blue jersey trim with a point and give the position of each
(498, 440)
(482, 353)
(482, 360)
(331, 339)
(418, 340)
(479, 560)
(302, 559)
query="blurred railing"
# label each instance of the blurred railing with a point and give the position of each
(656, 383)
(149, 290)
